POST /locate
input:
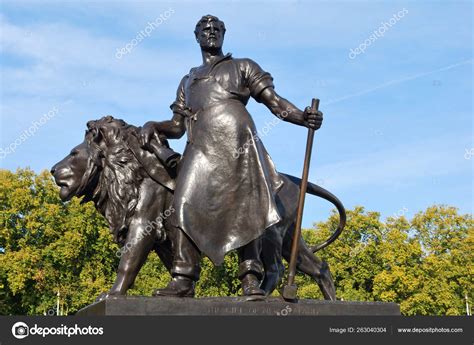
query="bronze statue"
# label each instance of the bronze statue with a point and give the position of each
(223, 203)
(220, 201)
(133, 189)
(107, 168)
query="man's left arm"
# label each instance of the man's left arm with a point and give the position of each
(287, 111)
(260, 84)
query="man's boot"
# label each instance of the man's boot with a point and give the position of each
(251, 274)
(179, 286)
(185, 269)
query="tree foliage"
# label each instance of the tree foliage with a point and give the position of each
(46, 246)
(425, 264)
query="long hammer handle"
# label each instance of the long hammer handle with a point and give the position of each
(290, 290)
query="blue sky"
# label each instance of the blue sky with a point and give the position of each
(398, 117)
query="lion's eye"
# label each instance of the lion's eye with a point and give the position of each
(73, 153)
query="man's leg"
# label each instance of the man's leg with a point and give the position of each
(251, 268)
(186, 266)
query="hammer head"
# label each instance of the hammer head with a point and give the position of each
(290, 292)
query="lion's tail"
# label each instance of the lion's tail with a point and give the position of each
(314, 189)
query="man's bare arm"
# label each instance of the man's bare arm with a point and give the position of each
(287, 111)
(172, 129)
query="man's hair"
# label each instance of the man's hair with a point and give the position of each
(206, 19)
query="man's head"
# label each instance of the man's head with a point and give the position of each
(210, 32)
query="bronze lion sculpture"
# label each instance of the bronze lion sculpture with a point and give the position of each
(133, 189)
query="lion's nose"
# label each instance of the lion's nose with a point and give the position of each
(53, 169)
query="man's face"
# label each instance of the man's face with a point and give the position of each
(210, 35)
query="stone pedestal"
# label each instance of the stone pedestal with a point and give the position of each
(233, 306)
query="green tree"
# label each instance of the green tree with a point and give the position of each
(424, 264)
(49, 246)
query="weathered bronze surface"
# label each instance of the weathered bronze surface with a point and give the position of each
(133, 189)
(224, 193)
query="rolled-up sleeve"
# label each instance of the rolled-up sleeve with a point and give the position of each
(255, 78)
(179, 105)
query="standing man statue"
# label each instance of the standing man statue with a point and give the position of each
(222, 202)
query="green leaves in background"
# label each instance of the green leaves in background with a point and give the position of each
(46, 246)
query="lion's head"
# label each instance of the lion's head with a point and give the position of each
(104, 169)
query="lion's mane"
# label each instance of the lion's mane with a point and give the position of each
(114, 175)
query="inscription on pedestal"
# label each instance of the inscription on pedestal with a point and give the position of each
(138, 305)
